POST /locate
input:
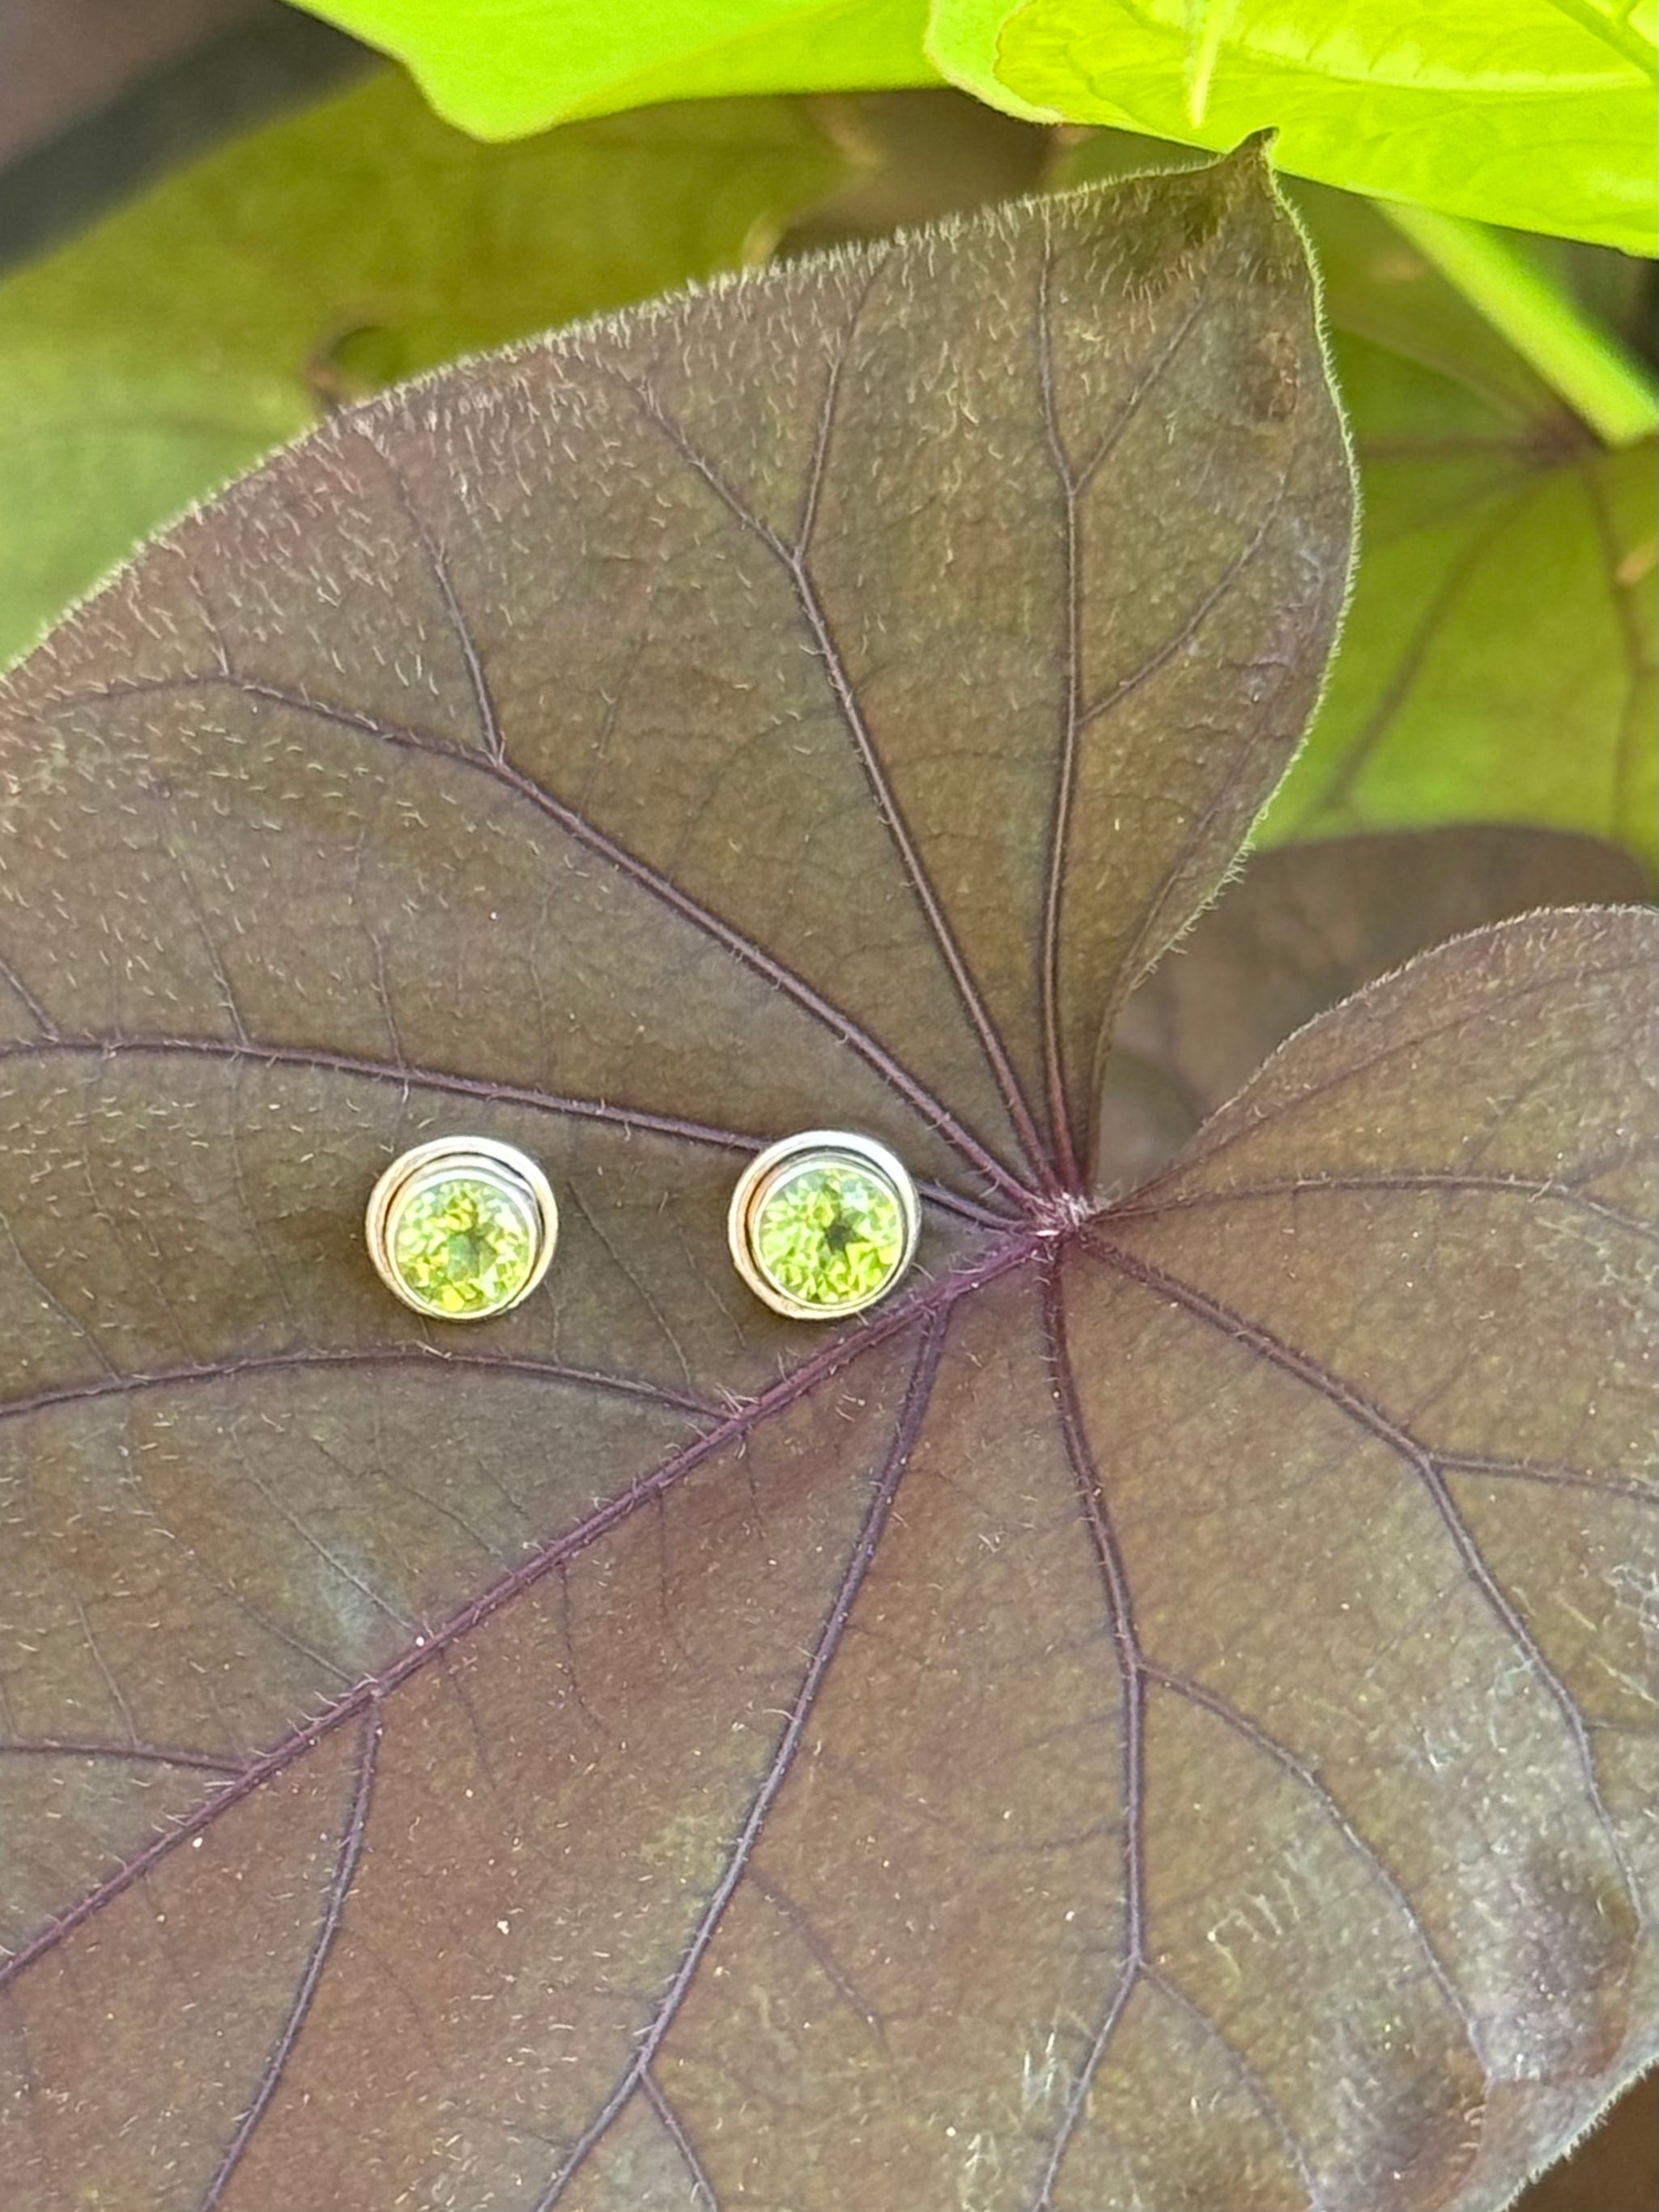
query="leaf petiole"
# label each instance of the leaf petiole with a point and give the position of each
(1595, 374)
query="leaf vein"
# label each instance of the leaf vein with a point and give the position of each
(268, 1363)
(1132, 1671)
(674, 2127)
(148, 1754)
(351, 1844)
(1249, 2080)
(936, 1299)
(1354, 1405)
(674, 1128)
(1543, 1190)
(912, 868)
(884, 1493)
(1252, 1732)
(656, 886)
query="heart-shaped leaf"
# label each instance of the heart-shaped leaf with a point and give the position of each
(1149, 1716)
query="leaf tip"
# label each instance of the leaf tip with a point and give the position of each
(1253, 157)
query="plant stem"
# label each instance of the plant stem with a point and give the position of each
(1595, 375)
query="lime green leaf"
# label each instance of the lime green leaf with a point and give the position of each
(1584, 361)
(1498, 663)
(504, 67)
(331, 252)
(1498, 659)
(1537, 113)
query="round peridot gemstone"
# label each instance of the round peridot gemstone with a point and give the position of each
(463, 1246)
(830, 1234)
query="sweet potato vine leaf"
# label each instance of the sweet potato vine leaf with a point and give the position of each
(1152, 1715)
(503, 67)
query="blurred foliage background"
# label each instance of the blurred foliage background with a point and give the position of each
(220, 219)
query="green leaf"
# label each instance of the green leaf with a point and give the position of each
(1498, 662)
(1155, 1713)
(503, 67)
(348, 245)
(1535, 113)
(1611, 389)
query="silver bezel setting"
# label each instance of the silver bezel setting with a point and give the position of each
(761, 1177)
(507, 1170)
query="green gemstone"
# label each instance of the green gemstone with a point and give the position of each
(830, 1234)
(462, 1245)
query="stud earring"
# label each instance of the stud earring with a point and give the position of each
(462, 1229)
(823, 1223)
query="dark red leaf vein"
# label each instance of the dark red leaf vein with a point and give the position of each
(1542, 1189)
(1132, 1670)
(483, 700)
(912, 866)
(1207, 1148)
(934, 1301)
(1252, 1733)
(1059, 819)
(1178, 640)
(1073, 484)
(661, 2103)
(270, 1362)
(1494, 1464)
(577, 826)
(818, 466)
(906, 1431)
(927, 898)
(674, 1128)
(351, 1844)
(1250, 2081)
(800, 1922)
(32, 1006)
(1342, 1395)
(150, 1754)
